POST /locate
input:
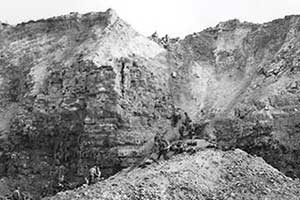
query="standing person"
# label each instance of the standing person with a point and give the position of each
(176, 117)
(162, 146)
(94, 175)
(17, 195)
(154, 37)
(60, 181)
(187, 121)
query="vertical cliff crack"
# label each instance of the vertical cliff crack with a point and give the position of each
(123, 79)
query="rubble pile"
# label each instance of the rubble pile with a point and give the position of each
(209, 174)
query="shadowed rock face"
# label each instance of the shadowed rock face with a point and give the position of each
(84, 90)
(76, 91)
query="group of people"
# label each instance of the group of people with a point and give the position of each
(93, 177)
(184, 123)
(162, 148)
(164, 41)
(187, 132)
(61, 183)
(17, 195)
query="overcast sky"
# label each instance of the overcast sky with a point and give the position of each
(176, 17)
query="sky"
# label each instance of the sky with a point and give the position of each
(173, 17)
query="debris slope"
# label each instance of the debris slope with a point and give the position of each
(208, 174)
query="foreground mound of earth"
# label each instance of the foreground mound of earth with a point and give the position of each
(209, 174)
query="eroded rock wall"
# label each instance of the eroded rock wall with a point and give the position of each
(84, 90)
(71, 98)
(245, 78)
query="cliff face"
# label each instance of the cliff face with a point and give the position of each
(244, 77)
(84, 90)
(76, 91)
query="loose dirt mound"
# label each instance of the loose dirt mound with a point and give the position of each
(210, 174)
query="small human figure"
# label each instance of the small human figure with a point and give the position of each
(94, 175)
(154, 37)
(187, 122)
(17, 195)
(162, 146)
(166, 39)
(60, 179)
(176, 116)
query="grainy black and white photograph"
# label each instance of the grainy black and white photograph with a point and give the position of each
(150, 100)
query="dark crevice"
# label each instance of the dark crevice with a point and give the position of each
(123, 79)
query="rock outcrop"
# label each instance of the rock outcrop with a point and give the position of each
(76, 91)
(84, 90)
(244, 78)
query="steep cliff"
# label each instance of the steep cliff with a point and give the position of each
(76, 91)
(84, 90)
(244, 77)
